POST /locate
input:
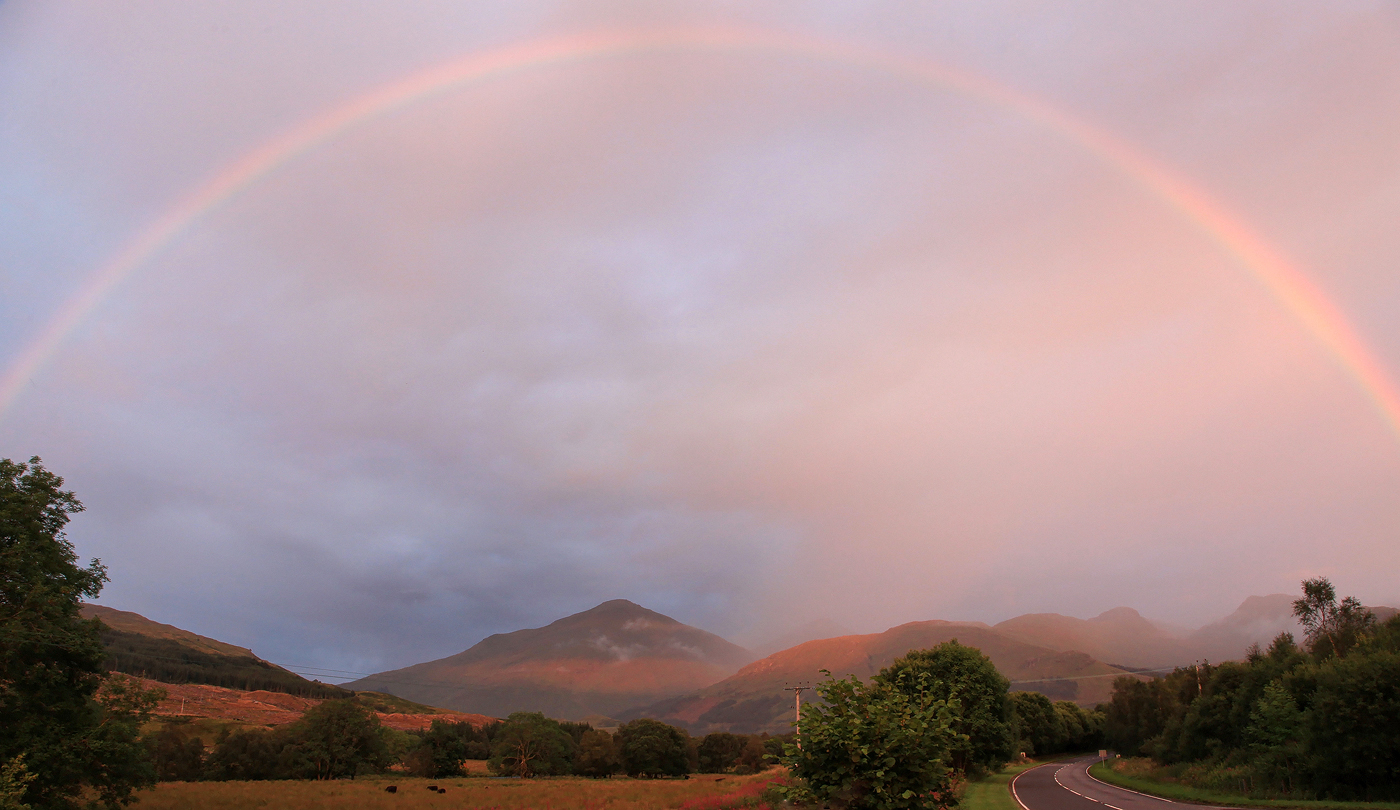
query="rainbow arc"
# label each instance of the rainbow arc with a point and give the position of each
(1289, 286)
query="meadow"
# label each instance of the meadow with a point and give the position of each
(702, 792)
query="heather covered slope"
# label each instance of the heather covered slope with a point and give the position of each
(166, 653)
(597, 662)
(753, 700)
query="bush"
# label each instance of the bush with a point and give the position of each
(883, 745)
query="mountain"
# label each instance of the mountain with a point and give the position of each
(163, 652)
(1256, 621)
(754, 700)
(1119, 636)
(597, 662)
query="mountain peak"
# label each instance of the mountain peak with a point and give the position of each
(1119, 614)
(611, 656)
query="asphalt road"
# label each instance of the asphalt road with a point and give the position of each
(1068, 786)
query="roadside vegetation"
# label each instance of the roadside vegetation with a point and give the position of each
(1145, 776)
(1320, 721)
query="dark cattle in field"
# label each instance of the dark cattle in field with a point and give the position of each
(432, 788)
(442, 790)
(392, 789)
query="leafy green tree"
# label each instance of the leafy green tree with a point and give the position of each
(719, 751)
(597, 755)
(1333, 627)
(964, 675)
(883, 745)
(1274, 735)
(1353, 725)
(247, 755)
(178, 756)
(443, 748)
(755, 756)
(1040, 728)
(14, 780)
(652, 748)
(75, 734)
(338, 738)
(529, 744)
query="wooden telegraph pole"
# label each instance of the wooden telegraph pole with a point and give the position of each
(796, 691)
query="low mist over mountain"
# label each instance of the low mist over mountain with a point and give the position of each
(753, 699)
(1119, 636)
(597, 662)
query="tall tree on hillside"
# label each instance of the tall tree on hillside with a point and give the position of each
(963, 674)
(74, 734)
(1333, 627)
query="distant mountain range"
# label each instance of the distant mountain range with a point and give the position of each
(620, 660)
(754, 700)
(591, 665)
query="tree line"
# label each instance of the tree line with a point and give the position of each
(1317, 720)
(341, 739)
(169, 661)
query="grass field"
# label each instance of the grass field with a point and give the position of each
(994, 792)
(702, 792)
(1179, 792)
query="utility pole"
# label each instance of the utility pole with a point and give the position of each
(796, 691)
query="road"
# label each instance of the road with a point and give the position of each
(1068, 786)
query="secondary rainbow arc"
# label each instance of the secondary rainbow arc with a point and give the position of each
(1292, 288)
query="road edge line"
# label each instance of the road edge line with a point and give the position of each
(1016, 795)
(1120, 787)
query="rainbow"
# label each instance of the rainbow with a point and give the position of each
(1297, 294)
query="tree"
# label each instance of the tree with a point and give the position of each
(1039, 726)
(248, 755)
(1350, 731)
(1333, 627)
(653, 748)
(177, 755)
(73, 733)
(883, 745)
(443, 748)
(963, 676)
(719, 751)
(338, 738)
(597, 755)
(14, 780)
(530, 744)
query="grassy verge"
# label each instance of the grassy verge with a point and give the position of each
(1183, 793)
(994, 792)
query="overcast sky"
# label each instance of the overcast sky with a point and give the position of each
(749, 336)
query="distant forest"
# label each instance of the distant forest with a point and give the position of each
(172, 662)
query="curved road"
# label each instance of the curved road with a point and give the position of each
(1068, 786)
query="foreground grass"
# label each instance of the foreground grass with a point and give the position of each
(994, 792)
(1176, 791)
(702, 792)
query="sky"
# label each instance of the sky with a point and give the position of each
(365, 331)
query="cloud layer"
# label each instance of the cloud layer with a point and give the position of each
(748, 339)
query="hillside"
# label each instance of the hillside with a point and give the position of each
(1120, 636)
(138, 646)
(597, 662)
(265, 708)
(753, 700)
